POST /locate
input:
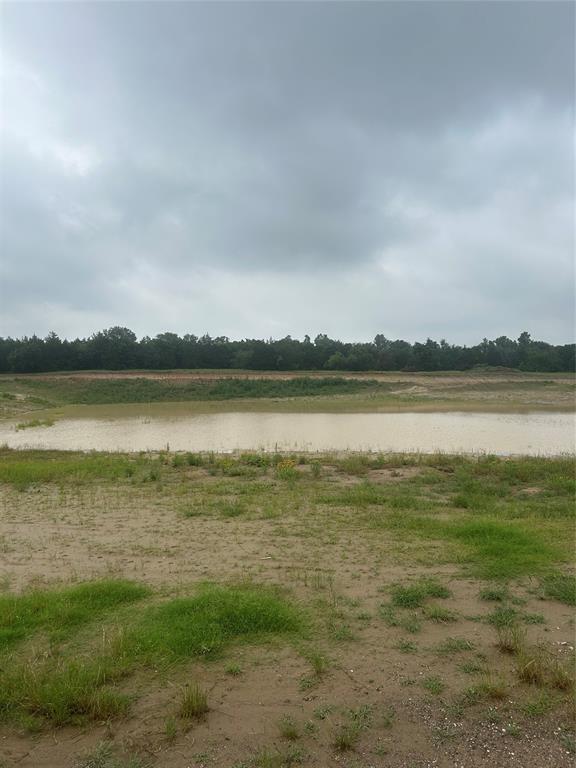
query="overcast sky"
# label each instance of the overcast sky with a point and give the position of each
(262, 169)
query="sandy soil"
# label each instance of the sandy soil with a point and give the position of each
(50, 535)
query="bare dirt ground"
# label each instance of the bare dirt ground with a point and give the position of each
(52, 535)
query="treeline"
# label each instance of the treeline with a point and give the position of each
(119, 349)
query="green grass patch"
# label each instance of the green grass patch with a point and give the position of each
(72, 687)
(145, 390)
(61, 613)
(103, 757)
(433, 685)
(561, 587)
(32, 423)
(495, 550)
(414, 595)
(202, 625)
(454, 645)
(24, 469)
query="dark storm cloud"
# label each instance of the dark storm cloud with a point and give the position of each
(200, 166)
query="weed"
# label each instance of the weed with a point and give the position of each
(322, 712)
(511, 638)
(490, 687)
(561, 587)
(34, 423)
(388, 716)
(289, 728)
(170, 729)
(502, 617)
(539, 706)
(434, 685)
(348, 734)
(409, 622)
(531, 666)
(340, 632)
(414, 595)
(234, 670)
(103, 757)
(568, 741)
(286, 470)
(471, 667)
(494, 594)
(405, 646)
(310, 728)
(319, 662)
(439, 614)
(454, 645)
(346, 737)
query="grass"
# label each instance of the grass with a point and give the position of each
(103, 757)
(72, 658)
(36, 467)
(145, 390)
(348, 734)
(439, 614)
(32, 423)
(193, 703)
(454, 645)
(511, 638)
(62, 612)
(489, 688)
(414, 595)
(71, 688)
(289, 728)
(202, 625)
(433, 685)
(561, 587)
(407, 646)
(409, 622)
(496, 594)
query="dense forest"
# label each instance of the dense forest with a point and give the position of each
(119, 349)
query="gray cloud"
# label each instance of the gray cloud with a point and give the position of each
(273, 168)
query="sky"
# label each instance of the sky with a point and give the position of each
(259, 169)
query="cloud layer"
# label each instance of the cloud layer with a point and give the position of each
(255, 169)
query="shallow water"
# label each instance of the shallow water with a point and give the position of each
(499, 433)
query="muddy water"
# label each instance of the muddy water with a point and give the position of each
(500, 433)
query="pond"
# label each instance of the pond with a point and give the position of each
(499, 433)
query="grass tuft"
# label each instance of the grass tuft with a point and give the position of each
(415, 595)
(194, 703)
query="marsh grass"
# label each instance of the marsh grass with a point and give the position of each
(32, 423)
